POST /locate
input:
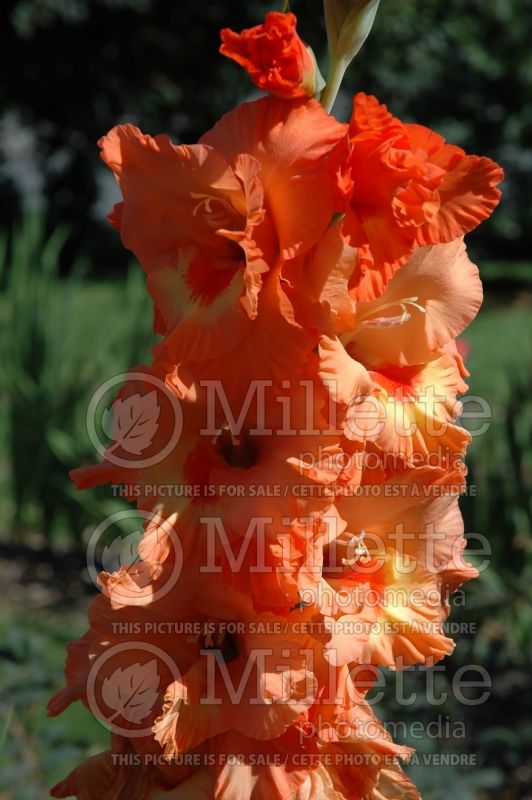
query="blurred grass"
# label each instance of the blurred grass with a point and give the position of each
(37, 751)
(61, 337)
(500, 469)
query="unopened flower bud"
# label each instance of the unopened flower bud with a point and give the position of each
(348, 25)
(275, 57)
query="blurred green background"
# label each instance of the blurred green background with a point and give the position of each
(73, 68)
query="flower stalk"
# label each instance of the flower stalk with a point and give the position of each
(348, 24)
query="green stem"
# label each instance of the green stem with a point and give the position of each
(334, 79)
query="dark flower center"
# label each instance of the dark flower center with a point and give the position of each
(238, 451)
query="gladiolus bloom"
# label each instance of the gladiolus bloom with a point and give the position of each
(275, 58)
(406, 187)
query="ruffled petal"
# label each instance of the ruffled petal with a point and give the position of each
(293, 143)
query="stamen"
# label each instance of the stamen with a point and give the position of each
(215, 219)
(361, 552)
(398, 319)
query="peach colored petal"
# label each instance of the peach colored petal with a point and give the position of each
(270, 780)
(344, 378)
(328, 269)
(428, 303)
(293, 143)
(168, 191)
(393, 784)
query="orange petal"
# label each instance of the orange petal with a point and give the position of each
(428, 303)
(293, 142)
(171, 193)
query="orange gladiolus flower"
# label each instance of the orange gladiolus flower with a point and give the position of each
(212, 225)
(398, 572)
(406, 187)
(275, 58)
(294, 448)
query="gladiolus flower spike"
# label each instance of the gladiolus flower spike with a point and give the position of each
(293, 448)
